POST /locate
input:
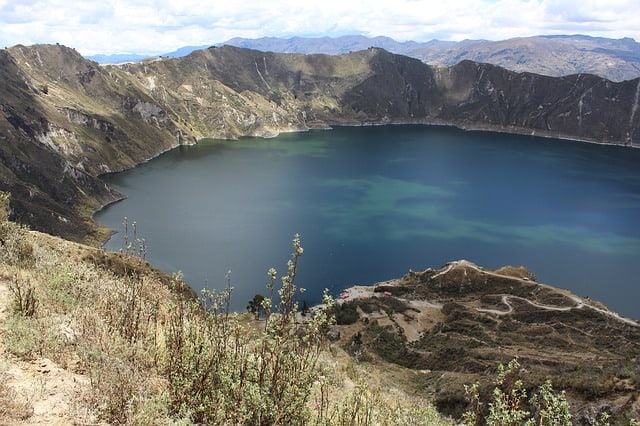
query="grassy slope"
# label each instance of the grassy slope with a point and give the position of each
(94, 349)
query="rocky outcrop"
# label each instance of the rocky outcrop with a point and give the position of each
(64, 120)
(458, 322)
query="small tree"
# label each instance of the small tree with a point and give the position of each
(305, 308)
(255, 305)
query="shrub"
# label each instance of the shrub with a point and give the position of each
(24, 297)
(221, 372)
(21, 337)
(14, 248)
(346, 313)
(508, 404)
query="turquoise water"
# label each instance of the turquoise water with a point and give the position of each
(373, 202)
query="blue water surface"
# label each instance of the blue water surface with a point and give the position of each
(373, 202)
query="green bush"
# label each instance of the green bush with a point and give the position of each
(220, 372)
(509, 405)
(346, 313)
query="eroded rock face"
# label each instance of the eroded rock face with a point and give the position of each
(99, 118)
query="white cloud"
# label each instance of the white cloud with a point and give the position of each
(146, 26)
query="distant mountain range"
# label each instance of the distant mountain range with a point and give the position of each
(558, 55)
(124, 58)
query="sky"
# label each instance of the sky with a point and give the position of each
(161, 26)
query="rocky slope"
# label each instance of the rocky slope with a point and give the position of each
(64, 120)
(455, 323)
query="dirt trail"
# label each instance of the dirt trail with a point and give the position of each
(579, 302)
(357, 292)
(43, 392)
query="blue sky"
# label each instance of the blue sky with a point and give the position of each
(153, 27)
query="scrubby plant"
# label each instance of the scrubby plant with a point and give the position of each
(222, 372)
(14, 248)
(356, 409)
(24, 297)
(550, 408)
(21, 336)
(509, 404)
(132, 244)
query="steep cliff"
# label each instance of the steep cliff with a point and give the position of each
(64, 120)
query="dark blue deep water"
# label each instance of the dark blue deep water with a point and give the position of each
(373, 202)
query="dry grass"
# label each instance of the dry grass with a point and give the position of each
(91, 324)
(97, 329)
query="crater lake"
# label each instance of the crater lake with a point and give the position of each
(371, 203)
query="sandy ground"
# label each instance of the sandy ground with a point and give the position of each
(40, 391)
(423, 316)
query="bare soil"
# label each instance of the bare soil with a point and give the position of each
(37, 391)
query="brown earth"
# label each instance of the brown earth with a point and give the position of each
(458, 322)
(38, 391)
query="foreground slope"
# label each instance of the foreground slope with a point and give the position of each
(93, 337)
(64, 120)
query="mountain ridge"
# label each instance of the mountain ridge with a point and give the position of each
(553, 55)
(66, 119)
